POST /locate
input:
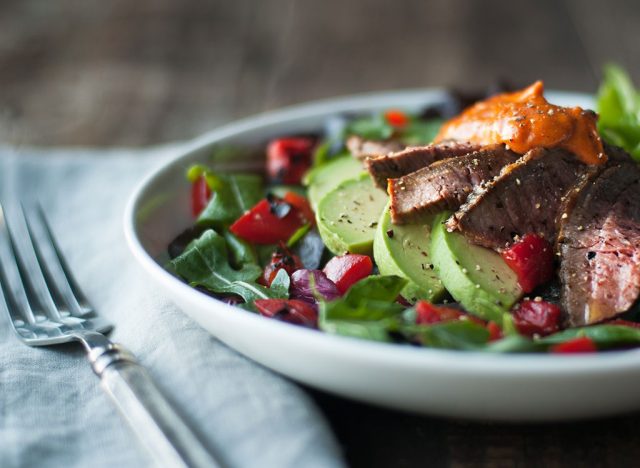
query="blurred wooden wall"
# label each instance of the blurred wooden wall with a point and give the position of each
(123, 72)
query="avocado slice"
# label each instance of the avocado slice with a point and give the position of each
(325, 178)
(347, 216)
(403, 250)
(476, 277)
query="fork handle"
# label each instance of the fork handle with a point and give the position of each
(159, 427)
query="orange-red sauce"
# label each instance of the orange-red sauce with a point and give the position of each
(524, 120)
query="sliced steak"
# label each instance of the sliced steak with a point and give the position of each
(362, 149)
(398, 164)
(523, 199)
(599, 245)
(445, 184)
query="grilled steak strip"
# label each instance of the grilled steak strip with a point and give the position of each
(394, 165)
(445, 184)
(599, 245)
(523, 199)
(362, 149)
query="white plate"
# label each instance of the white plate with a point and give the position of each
(448, 383)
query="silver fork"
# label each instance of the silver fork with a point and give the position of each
(46, 307)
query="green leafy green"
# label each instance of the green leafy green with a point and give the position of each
(457, 334)
(234, 195)
(514, 344)
(368, 310)
(618, 105)
(280, 285)
(603, 335)
(416, 132)
(373, 127)
(205, 262)
(421, 132)
(240, 251)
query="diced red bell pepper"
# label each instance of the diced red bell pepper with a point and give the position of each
(346, 270)
(288, 310)
(537, 318)
(428, 313)
(281, 259)
(269, 222)
(582, 344)
(302, 204)
(288, 159)
(396, 118)
(495, 332)
(532, 260)
(200, 195)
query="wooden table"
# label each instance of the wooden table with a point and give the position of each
(122, 72)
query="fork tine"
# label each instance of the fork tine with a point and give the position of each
(28, 267)
(53, 265)
(15, 296)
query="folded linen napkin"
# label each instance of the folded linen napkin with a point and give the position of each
(53, 412)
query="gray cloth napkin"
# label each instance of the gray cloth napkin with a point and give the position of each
(53, 412)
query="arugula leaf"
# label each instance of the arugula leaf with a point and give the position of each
(602, 335)
(240, 251)
(280, 285)
(373, 127)
(368, 310)
(205, 262)
(234, 195)
(375, 330)
(421, 132)
(618, 105)
(514, 344)
(457, 334)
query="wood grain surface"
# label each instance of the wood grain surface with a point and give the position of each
(123, 72)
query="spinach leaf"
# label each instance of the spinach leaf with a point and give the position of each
(205, 262)
(602, 335)
(458, 334)
(368, 310)
(234, 194)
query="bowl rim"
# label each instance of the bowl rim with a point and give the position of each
(479, 363)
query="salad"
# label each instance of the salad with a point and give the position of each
(504, 225)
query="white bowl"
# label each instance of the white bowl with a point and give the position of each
(448, 383)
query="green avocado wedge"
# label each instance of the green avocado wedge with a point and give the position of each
(347, 216)
(323, 179)
(403, 250)
(476, 277)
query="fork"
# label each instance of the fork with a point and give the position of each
(46, 307)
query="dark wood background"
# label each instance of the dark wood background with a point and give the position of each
(142, 72)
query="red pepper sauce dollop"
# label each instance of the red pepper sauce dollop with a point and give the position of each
(524, 120)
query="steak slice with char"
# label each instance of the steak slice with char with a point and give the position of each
(362, 149)
(398, 164)
(523, 199)
(445, 184)
(599, 245)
